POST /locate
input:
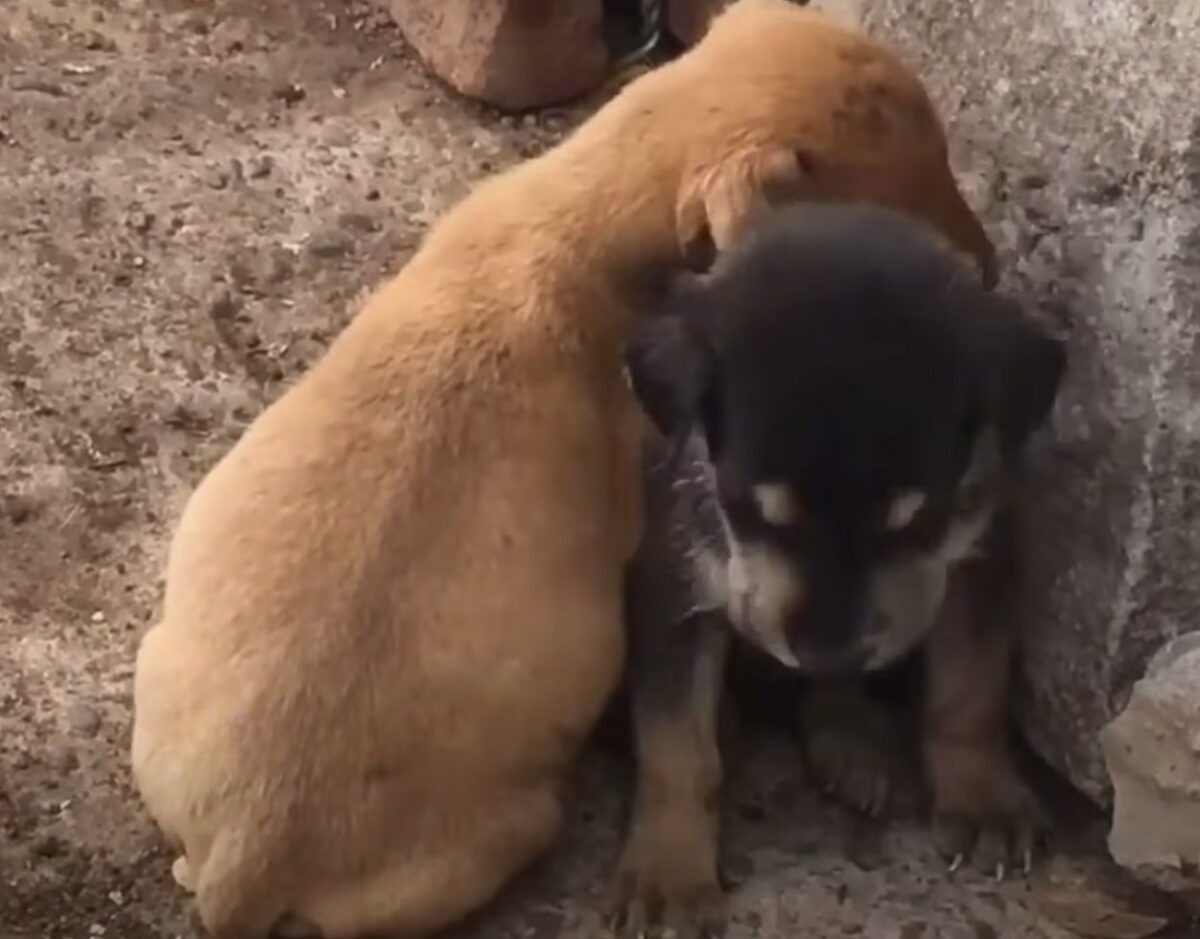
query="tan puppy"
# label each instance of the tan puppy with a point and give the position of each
(393, 611)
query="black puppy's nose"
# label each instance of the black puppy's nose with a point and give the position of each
(827, 634)
(828, 663)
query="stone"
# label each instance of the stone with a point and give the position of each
(1086, 170)
(1152, 750)
(687, 20)
(330, 243)
(513, 54)
(83, 718)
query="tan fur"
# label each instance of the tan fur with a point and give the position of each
(393, 609)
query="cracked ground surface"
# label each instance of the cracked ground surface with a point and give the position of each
(193, 198)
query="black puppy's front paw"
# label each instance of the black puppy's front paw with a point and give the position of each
(852, 748)
(667, 882)
(984, 812)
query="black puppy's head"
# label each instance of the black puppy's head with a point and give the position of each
(861, 397)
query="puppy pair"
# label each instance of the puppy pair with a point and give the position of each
(846, 407)
(393, 611)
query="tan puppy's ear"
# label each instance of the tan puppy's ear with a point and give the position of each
(716, 204)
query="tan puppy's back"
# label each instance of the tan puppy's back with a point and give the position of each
(335, 603)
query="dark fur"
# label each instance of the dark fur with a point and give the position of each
(840, 354)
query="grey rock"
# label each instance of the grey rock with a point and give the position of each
(1072, 115)
(84, 719)
(1152, 750)
(330, 244)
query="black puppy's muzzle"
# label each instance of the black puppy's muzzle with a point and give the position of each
(827, 633)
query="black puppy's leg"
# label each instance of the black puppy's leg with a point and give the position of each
(981, 805)
(853, 744)
(669, 869)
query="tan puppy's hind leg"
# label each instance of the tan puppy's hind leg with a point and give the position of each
(422, 893)
(234, 898)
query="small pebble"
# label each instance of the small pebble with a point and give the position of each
(358, 222)
(140, 222)
(49, 847)
(63, 762)
(290, 94)
(330, 244)
(224, 306)
(83, 719)
(260, 167)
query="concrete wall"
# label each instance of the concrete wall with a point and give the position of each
(1077, 125)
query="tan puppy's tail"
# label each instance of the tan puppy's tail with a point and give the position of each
(848, 13)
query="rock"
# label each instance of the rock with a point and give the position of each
(290, 93)
(217, 177)
(330, 243)
(49, 846)
(1152, 749)
(1070, 95)
(83, 719)
(224, 306)
(513, 54)
(260, 166)
(687, 20)
(1091, 896)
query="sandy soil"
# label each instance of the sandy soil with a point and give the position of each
(193, 197)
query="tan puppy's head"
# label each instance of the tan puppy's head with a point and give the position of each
(787, 103)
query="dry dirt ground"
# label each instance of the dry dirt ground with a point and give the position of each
(193, 197)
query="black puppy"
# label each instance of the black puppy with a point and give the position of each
(844, 407)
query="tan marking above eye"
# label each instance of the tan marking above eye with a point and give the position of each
(777, 504)
(904, 508)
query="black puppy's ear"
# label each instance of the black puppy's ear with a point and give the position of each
(1022, 367)
(671, 365)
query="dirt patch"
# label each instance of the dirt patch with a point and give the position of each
(193, 198)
